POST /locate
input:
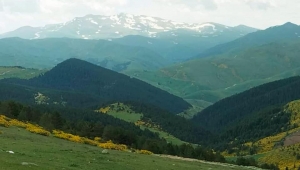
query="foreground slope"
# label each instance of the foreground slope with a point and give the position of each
(42, 152)
(78, 83)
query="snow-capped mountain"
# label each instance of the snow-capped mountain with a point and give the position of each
(116, 26)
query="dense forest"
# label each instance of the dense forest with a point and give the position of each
(251, 115)
(173, 124)
(81, 84)
(91, 124)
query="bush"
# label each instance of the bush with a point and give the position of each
(145, 152)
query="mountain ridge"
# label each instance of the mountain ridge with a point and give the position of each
(80, 83)
(115, 26)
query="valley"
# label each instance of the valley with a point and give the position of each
(132, 91)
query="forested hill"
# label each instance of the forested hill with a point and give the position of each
(252, 114)
(80, 83)
(233, 109)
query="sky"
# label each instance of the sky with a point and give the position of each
(255, 13)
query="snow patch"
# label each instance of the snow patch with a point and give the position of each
(114, 18)
(117, 32)
(37, 35)
(84, 37)
(155, 26)
(148, 18)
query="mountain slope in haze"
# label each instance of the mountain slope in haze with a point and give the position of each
(19, 72)
(46, 53)
(172, 52)
(285, 32)
(78, 83)
(115, 26)
(209, 79)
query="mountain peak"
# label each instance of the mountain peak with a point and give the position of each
(290, 24)
(117, 26)
(75, 74)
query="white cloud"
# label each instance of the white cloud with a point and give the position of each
(260, 4)
(14, 6)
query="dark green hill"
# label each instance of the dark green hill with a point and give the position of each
(82, 84)
(46, 53)
(253, 114)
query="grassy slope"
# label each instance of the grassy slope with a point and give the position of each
(130, 116)
(18, 72)
(52, 153)
(269, 148)
(206, 80)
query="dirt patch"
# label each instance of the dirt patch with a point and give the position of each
(292, 139)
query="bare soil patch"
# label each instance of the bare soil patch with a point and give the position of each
(292, 139)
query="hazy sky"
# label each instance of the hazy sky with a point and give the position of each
(255, 13)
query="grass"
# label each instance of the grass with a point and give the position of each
(206, 80)
(129, 115)
(19, 72)
(50, 153)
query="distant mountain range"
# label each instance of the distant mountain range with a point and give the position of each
(77, 83)
(179, 41)
(233, 67)
(287, 31)
(116, 26)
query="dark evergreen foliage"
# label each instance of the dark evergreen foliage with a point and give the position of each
(91, 124)
(82, 84)
(175, 125)
(251, 115)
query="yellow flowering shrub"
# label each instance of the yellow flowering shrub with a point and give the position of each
(90, 141)
(37, 129)
(294, 108)
(6, 122)
(67, 136)
(145, 152)
(111, 145)
(283, 157)
(139, 123)
(3, 121)
(103, 110)
(17, 123)
(98, 139)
